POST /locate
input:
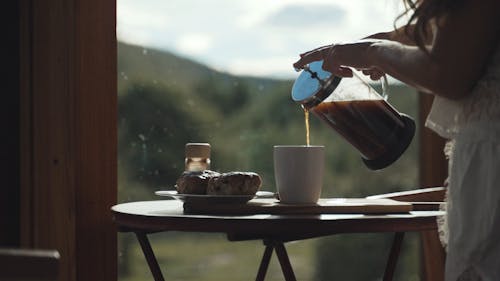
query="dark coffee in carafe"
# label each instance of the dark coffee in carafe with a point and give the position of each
(371, 126)
(357, 112)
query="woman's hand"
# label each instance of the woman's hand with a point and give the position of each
(338, 58)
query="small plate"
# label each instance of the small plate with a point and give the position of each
(221, 199)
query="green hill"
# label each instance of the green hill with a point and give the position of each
(171, 71)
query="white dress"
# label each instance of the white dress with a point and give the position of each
(472, 125)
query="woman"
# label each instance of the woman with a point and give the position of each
(449, 48)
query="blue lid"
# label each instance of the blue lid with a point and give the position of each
(308, 83)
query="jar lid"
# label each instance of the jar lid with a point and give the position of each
(314, 83)
(197, 149)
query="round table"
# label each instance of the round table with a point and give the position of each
(146, 217)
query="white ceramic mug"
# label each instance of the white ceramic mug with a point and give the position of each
(298, 171)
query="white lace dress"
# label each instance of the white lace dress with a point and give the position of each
(472, 224)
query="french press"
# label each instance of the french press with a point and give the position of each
(354, 109)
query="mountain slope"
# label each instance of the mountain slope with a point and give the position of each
(136, 63)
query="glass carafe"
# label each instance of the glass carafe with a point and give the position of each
(354, 109)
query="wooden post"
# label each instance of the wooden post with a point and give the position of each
(433, 172)
(68, 133)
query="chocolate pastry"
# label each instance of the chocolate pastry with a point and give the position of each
(234, 183)
(194, 182)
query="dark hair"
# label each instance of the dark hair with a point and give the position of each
(422, 13)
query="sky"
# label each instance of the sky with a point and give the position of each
(250, 37)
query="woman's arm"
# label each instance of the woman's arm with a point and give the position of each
(456, 60)
(402, 35)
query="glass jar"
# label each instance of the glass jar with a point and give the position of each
(197, 157)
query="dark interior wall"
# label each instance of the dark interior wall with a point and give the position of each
(9, 118)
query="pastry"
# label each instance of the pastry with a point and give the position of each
(194, 182)
(234, 183)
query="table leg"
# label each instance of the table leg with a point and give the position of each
(393, 256)
(286, 266)
(264, 264)
(150, 256)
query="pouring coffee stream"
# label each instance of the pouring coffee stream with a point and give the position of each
(306, 118)
(306, 110)
(357, 112)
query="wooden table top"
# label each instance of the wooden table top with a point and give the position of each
(168, 215)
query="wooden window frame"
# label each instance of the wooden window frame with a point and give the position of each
(68, 133)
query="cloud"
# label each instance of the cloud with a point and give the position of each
(277, 66)
(248, 36)
(307, 16)
(194, 43)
